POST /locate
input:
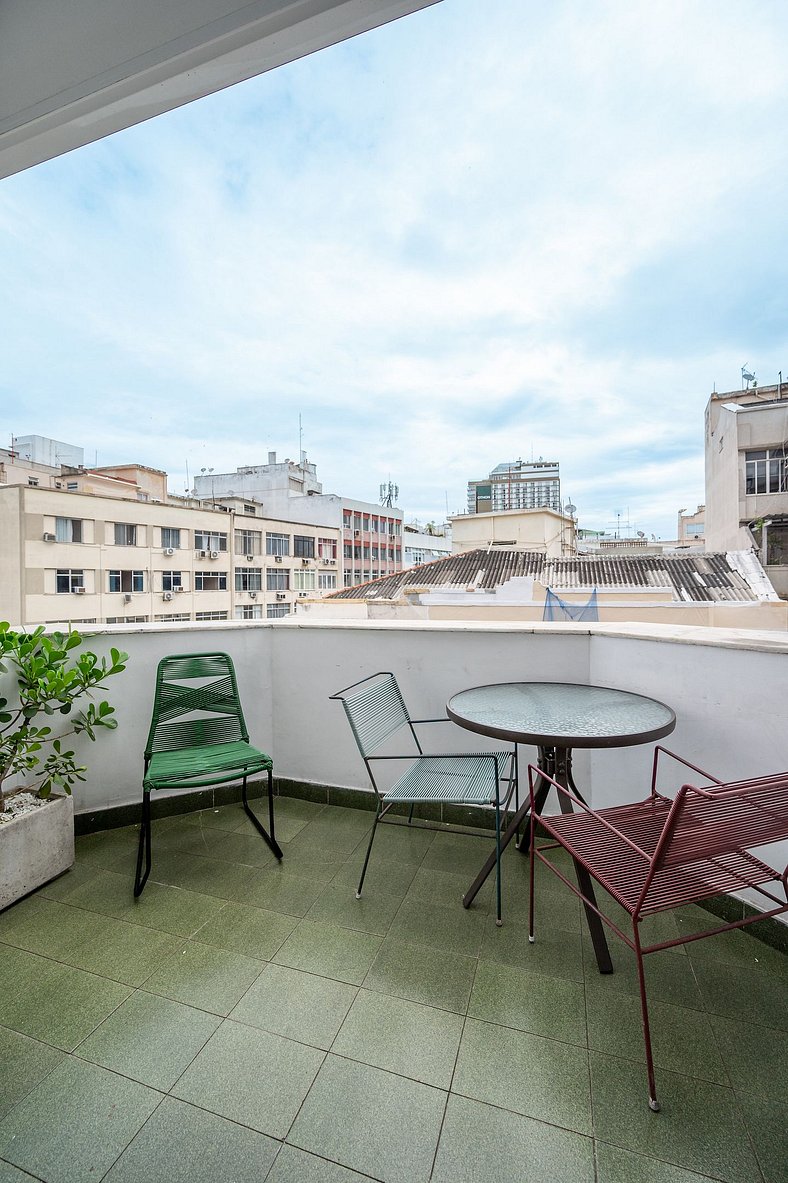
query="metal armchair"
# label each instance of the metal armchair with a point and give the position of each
(198, 737)
(376, 712)
(662, 853)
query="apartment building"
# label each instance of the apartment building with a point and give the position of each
(746, 449)
(371, 534)
(517, 484)
(74, 556)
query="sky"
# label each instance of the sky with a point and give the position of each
(484, 232)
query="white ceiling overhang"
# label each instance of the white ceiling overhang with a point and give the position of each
(74, 71)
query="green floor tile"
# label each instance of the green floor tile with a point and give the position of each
(540, 1078)
(298, 807)
(756, 1057)
(332, 952)
(23, 1063)
(479, 1142)
(252, 1077)
(182, 1144)
(621, 1166)
(73, 880)
(384, 877)
(767, 1123)
(207, 876)
(250, 849)
(112, 849)
(225, 817)
(402, 844)
(682, 1039)
(749, 995)
(403, 1037)
(150, 1039)
(204, 977)
(75, 1124)
(49, 928)
(460, 854)
(297, 1005)
(312, 860)
(9, 1174)
(452, 929)
(389, 1127)
(278, 890)
(51, 1002)
(296, 1166)
(669, 976)
(698, 1128)
(421, 974)
(338, 905)
(123, 952)
(241, 928)
(513, 997)
(447, 889)
(556, 953)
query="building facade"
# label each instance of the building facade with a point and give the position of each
(517, 484)
(746, 437)
(82, 557)
(421, 546)
(542, 531)
(290, 491)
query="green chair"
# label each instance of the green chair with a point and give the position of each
(376, 711)
(198, 737)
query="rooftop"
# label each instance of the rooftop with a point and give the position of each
(250, 1021)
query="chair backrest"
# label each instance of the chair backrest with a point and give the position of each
(375, 710)
(196, 703)
(709, 823)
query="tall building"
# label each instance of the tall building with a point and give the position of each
(746, 448)
(109, 546)
(517, 484)
(290, 491)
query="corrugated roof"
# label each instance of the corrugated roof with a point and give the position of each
(693, 577)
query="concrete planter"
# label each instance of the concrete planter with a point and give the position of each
(35, 847)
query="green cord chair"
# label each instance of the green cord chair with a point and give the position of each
(376, 711)
(198, 737)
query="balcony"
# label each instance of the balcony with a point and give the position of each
(246, 1020)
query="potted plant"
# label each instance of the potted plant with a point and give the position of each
(37, 767)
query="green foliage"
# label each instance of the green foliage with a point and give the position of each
(50, 678)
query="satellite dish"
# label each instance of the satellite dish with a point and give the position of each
(641, 534)
(570, 509)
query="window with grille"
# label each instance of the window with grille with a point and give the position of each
(248, 542)
(209, 540)
(248, 579)
(303, 546)
(273, 611)
(68, 580)
(277, 579)
(210, 581)
(170, 537)
(126, 581)
(277, 544)
(125, 534)
(68, 529)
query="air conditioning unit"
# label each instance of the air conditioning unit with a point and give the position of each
(49, 538)
(214, 554)
(79, 591)
(169, 551)
(250, 558)
(277, 558)
(179, 588)
(253, 595)
(305, 562)
(281, 596)
(331, 562)
(167, 595)
(203, 554)
(302, 595)
(127, 598)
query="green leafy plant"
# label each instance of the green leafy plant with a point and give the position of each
(51, 677)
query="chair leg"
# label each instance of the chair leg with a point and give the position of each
(369, 850)
(531, 876)
(653, 1103)
(271, 842)
(498, 919)
(139, 879)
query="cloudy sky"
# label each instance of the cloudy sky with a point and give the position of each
(487, 231)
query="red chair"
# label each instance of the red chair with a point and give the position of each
(662, 853)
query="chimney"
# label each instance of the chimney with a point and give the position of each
(272, 457)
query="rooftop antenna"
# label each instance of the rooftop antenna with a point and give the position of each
(300, 440)
(747, 378)
(389, 494)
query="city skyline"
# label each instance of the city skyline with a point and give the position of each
(473, 235)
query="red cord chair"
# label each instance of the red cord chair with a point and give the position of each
(662, 853)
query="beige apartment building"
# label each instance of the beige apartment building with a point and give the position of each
(74, 555)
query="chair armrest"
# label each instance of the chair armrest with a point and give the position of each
(679, 759)
(445, 719)
(598, 817)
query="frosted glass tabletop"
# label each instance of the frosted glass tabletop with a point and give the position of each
(561, 714)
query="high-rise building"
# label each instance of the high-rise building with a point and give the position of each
(517, 484)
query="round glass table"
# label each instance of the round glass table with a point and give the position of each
(556, 717)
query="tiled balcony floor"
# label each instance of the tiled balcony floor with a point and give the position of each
(245, 1021)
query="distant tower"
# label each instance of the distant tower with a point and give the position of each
(389, 494)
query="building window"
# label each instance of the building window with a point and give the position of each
(276, 579)
(251, 510)
(327, 548)
(277, 544)
(347, 550)
(348, 579)
(68, 580)
(68, 529)
(303, 546)
(126, 581)
(273, 611)
(210, 581)
(33, 482)
(209, 540)
(766, 471)
(248, 579)
(72, 486)
(304, 580)
(694, 530)
(326, 580)
(248, 542)
(210, 615)
(171, 580)
(127, 620)
(125, 534)
(347, 519)
(249, 612)
(170, 538)
(173, 616)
